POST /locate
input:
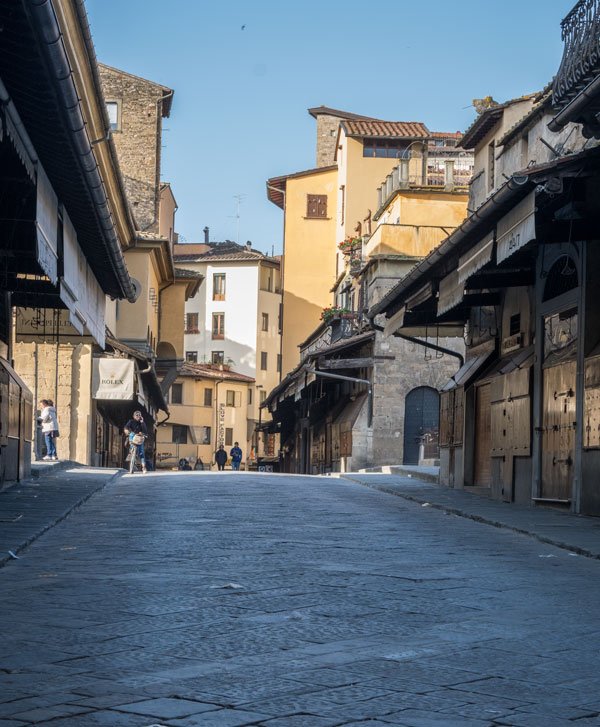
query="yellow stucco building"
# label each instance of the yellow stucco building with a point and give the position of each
(208, 404)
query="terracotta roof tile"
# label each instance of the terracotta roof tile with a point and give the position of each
(210, 371)
(385, 129)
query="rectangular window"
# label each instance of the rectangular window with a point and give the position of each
(206, 435)
(515, 324)
(217, 357)
(191, 323)
(316, 205)
(278, 363)
(386, 148)
(114, 115)
(177, 394)
(263, 396)
(265, 321)
(233, 398)
(228, 436)
(218, 326)
(263, 360)
(207, 397)
(219, 286)
(179, 434)
(191, 356)
(249, 395)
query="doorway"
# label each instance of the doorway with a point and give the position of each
(421, 424)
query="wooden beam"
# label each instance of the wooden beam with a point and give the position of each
(346, 363)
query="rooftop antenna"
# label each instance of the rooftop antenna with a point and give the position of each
(238, 201)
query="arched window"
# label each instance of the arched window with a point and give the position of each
(562, 277)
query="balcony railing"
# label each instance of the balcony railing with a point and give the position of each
(581, 54)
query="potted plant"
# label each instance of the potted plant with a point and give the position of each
(350, 245)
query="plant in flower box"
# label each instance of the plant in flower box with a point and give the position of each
(350, 245)
(333, 311)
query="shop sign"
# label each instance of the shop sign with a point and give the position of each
(516, 229)
(113, 379)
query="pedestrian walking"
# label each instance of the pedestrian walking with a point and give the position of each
(49, 428)
(136, 430)
(221, 457)
(236, 456)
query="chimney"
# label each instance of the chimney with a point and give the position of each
(205, 231)
(248, 245)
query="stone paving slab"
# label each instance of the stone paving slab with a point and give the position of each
(576, 533)
(29, 508)
(273, 601)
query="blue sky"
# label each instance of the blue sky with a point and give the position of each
(239, 111)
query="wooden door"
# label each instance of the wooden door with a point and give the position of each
(482, 471)
(558, 431)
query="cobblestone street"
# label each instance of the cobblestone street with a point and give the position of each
(241, 599)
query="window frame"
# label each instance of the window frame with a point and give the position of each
(264, 360)
(233, 398)
(217, 358)
(176, 387)
(181, 428)
(190, 318)
(265, 323)
(228, 436)
(220, 294)
(218, 331)
(118, 103)
(191, 356)
(316, 207)
(208, 396)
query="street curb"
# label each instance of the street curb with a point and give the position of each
(4, 559)
(42, 468)
(476, 518)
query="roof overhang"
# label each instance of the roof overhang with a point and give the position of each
(35, 67)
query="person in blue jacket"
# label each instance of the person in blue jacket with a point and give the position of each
(236, 456)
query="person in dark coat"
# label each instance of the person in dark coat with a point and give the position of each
(221, 457)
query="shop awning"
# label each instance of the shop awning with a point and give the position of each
(516, 228)
(522, 359)
(467, 372)
(451, 293)
(350, 412)
(477, 257)
(422, 295)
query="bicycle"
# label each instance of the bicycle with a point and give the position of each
(133, 453)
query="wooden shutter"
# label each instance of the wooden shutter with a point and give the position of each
(316, 205)
(446, 412)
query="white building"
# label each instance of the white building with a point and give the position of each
(233, 320)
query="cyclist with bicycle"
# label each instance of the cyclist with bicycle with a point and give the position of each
(137, 432)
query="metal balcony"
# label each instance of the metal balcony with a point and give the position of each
(581, 55)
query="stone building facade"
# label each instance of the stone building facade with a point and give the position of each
(328, 123)
(136, 110)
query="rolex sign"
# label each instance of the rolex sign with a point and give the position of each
(113, 378)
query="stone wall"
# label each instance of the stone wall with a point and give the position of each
(137, 140)
(393, 379)
(327, 128)
(69, 387)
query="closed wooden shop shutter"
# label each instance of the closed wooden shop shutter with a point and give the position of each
(483, 436)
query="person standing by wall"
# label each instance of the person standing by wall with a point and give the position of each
(49, 428)
(236, 456)
(221, 457)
